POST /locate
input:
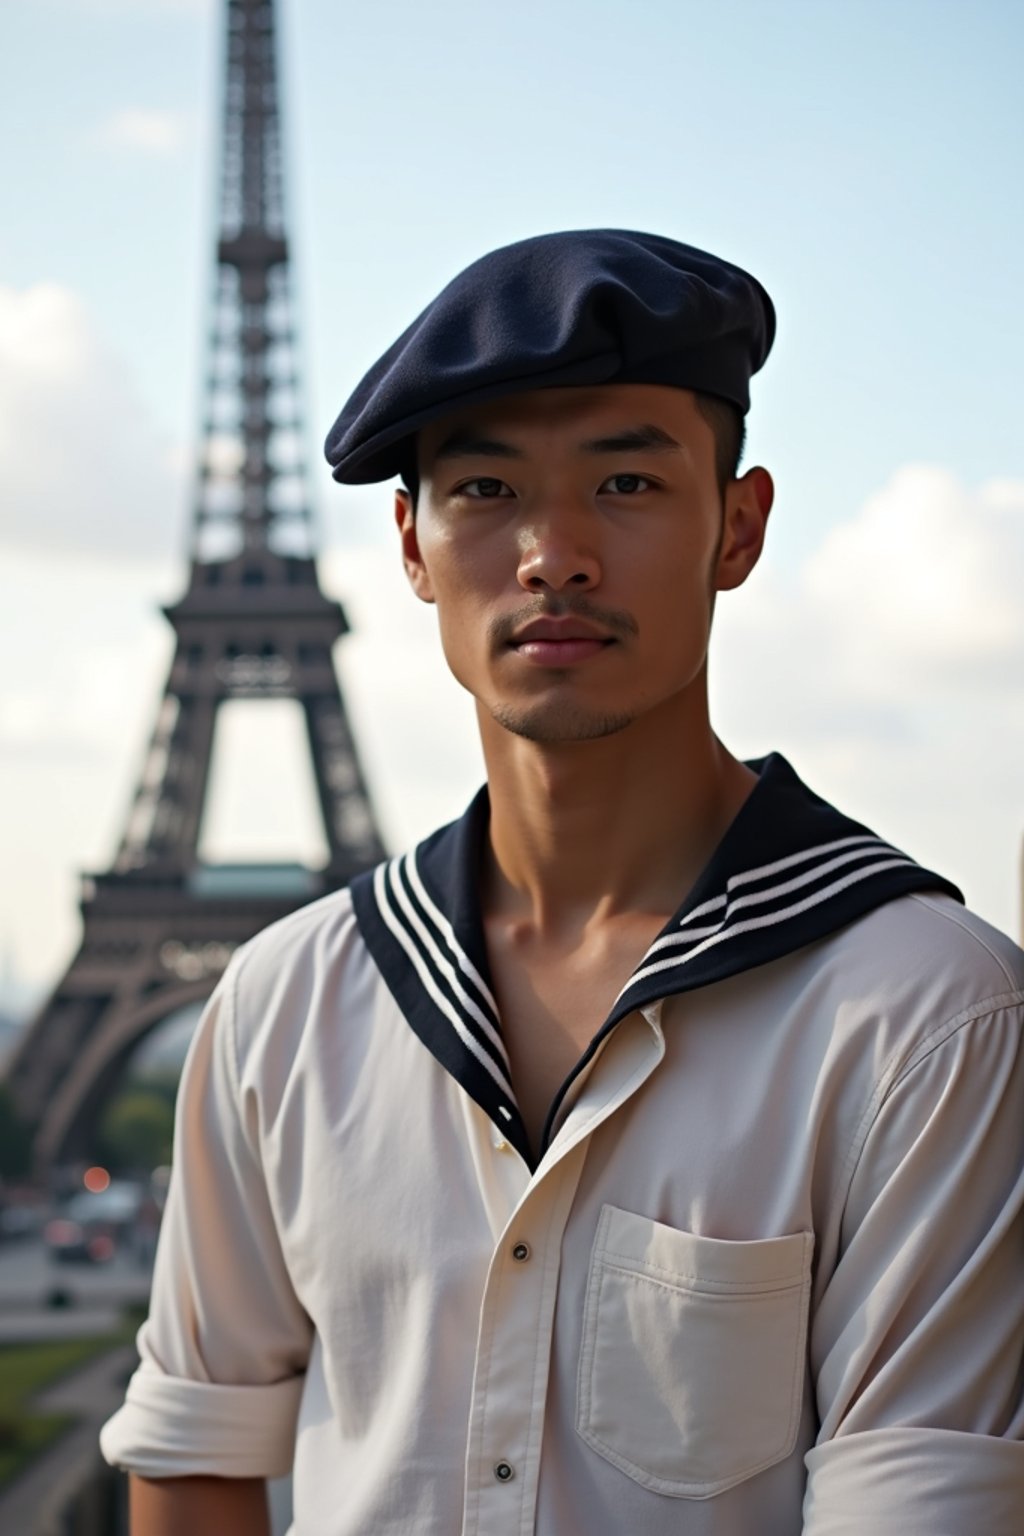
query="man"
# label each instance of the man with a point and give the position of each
(642, 1153)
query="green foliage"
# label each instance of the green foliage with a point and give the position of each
(24, 1437)
(162, 1083)
(136, 1130)
(26, 1369)
(15, 1139)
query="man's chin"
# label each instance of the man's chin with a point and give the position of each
(557, 725)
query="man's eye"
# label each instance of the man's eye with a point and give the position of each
(487, 488)
(626, 485)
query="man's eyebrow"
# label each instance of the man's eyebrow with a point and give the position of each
(634, 439)
(464, 443)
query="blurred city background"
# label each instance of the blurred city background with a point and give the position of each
(182, 311)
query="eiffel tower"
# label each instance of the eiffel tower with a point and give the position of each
(160, 925)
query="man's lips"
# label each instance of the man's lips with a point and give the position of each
(559, 642)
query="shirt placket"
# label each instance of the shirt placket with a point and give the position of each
(517, 1312)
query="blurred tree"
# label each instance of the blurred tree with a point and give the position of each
(135, 1132)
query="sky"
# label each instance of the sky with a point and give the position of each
(863, 159)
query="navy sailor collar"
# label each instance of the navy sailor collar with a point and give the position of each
(790, 869)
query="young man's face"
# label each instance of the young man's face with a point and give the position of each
(573, 541)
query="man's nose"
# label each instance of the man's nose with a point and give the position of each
(557, 552)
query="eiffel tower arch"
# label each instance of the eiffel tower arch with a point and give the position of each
(160, 924)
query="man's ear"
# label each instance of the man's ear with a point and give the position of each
(748, 501)
(405, 517)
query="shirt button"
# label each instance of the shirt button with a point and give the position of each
(500, 1144)
(521, 1252)
(504, 1472)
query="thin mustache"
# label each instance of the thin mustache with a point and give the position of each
(502, 630)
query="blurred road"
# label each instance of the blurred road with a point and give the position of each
(40, 1299)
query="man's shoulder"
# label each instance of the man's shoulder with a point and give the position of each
(926, 947)
(966, 936)
(306, 936)
(282, 979)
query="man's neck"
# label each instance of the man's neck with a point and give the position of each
(591, 831)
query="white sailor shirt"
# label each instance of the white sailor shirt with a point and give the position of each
(766, 1276)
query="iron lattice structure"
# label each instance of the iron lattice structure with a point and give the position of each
(159, 925)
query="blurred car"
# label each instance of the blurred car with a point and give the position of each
(19, 1221)
(90, 1228)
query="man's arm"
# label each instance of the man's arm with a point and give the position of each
(223, 1352)
(202, 1506)
(918, 1341)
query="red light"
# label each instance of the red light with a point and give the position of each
(96, 1180)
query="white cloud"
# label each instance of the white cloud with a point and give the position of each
(914, 598)
(890, 666)
(90, 646)
(927, 571)
(81, 463)
(86, 656)
(143, 129)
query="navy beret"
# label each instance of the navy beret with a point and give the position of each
(596, 306)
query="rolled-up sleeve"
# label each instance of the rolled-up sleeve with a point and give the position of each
(225, 1345)
(918, 1340)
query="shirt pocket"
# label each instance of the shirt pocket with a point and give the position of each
(693, 1358)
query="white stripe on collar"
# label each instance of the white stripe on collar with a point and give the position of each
(873, 850)
(766, 920)
(419, 946)
(447, 932)
(776, 867)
